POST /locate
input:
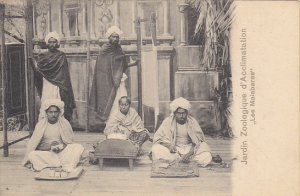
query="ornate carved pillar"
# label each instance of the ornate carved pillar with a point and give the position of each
(105, 16)
(166, 5)
(182, 9)
(42, 10)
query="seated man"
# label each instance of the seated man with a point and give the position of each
(180, 137)
(125, 123)
(51, 144)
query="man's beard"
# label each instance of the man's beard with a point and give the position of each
(181, 121)
(115, 43)
(53, 48)
(52, 121)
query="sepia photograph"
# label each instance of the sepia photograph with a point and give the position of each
(149, 97)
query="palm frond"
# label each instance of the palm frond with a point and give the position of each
(213, 25)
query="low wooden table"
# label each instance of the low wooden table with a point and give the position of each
(116, 149)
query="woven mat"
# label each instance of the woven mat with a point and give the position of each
(174, 170)
(57, 174)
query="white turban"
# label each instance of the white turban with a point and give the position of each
(113, 29)
(52, 35)
(51, 102)
(180, 103)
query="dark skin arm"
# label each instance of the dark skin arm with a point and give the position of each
(34, 66)
(185, 157)
(135, 63)
(33, 63)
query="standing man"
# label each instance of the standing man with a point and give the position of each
(180, 137)
(110, 65)
(52, 77)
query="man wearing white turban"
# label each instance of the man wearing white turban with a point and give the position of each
(52, 77)
(109, 75)
(112, 30)
(180, 137)
(51, 144)
(53, 35)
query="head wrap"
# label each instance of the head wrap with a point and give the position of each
(180, 103)
(113, 29)
(52, 35)
(51, 102)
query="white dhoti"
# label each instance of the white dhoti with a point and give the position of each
(67, 159)
(201, 155)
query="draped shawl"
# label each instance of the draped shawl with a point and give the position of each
(131, 121)
(109, 68)
(53, 66)
(65, 130)
(166, 133)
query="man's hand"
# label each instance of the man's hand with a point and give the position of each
(33, 63)
(123, 130)
(57, 147)
(186, 157)
(168, 145)
(135, 63)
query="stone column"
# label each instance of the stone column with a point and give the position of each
(61, 19)
(93, 33)
(166, 5)
(3, 80)
(68, 31)
(142, 15)
(76, 24)
(117, 14)
(182, 9)
(84, 14)
(156, 18)
(34, 19)
(48, 3)
(134, 15)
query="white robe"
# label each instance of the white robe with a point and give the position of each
(167, 133)
(68, 158)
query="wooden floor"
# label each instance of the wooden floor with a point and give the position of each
(116, 178)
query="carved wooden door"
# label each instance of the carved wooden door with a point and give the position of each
(16, 84)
